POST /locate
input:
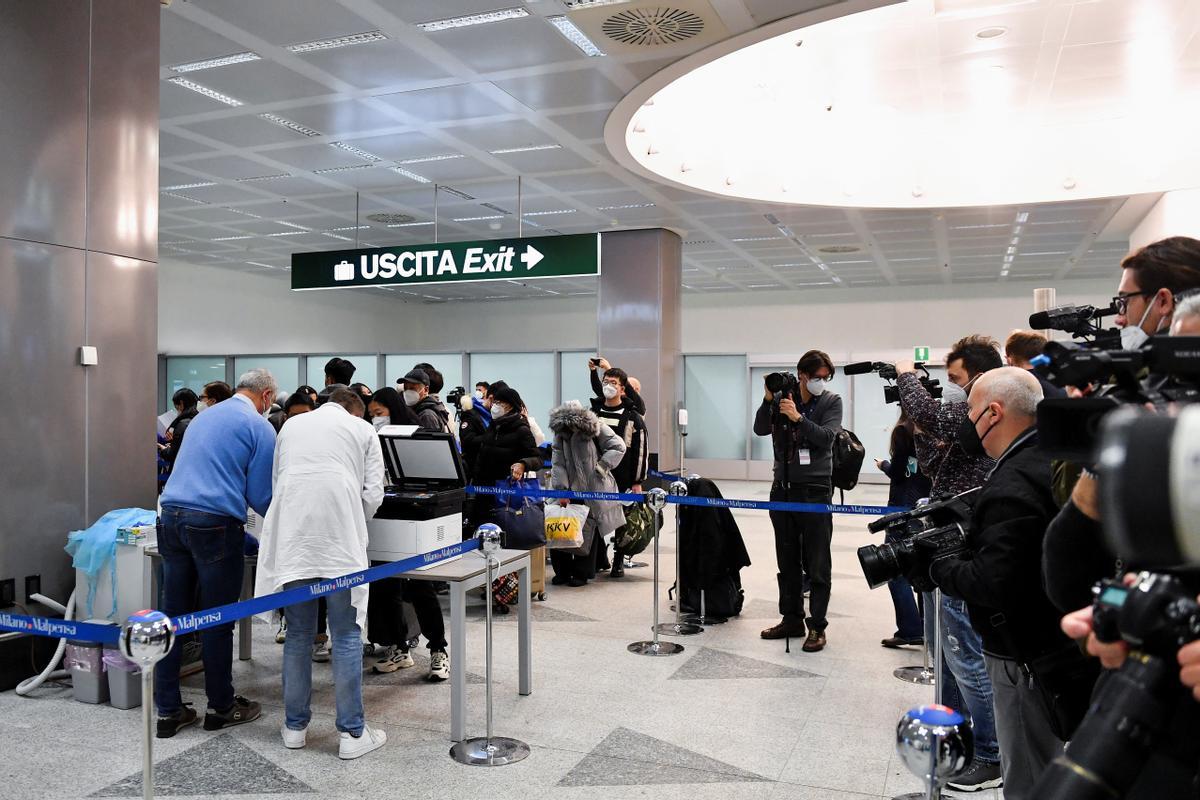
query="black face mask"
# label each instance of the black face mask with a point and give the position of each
(969, 438)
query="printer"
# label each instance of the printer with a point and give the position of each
(423, 501)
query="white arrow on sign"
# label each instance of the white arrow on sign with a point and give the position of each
(532, 256)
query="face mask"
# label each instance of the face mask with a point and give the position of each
(411, 397)
(203, 404)
(479, 394)
(816, 386)
(498, 411)
(610, 391)
(953, 393)
(379, 422)
(969, 438)
(1132, 336)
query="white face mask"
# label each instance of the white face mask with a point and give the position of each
(953, 393)
(479, 394)
(817, 386)
(379, 422)
(200, 406)
(411, 397)
(610, 391)
(498, 410)
(1132, 336)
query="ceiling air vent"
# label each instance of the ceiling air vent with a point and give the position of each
(653, 26)
(391, 219)
(834, 249)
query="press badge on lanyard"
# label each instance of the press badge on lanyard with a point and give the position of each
(803, 457)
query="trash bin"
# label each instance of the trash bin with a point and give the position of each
(124, 680)
(85, 662)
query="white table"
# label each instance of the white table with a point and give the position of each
(463, 575)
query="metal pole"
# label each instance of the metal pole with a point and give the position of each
(656, 499)
(148, 732)
(922, 675)
(933, 790)
(937, 645)
(679, 627)
(435, 214)
(520, 211)
(487, 655)
(146, 637)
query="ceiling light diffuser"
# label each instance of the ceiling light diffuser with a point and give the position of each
(531, 148)
(427, 159)
(467, 20)
(625, 206)
(178, 186)
(276, 176)
(548, 213)
(340, 41)
(459, 194)
(212, 94)
(212, 63)
(412, 176)
(284, 122)
(355, 151)
(478, 219)
(409, 224)
(329, 170)
(572, 34)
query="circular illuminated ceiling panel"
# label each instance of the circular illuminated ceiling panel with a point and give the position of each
(930, 103)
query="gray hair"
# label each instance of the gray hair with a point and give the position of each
(1014, 388)
(1186, 305)
(258, 381)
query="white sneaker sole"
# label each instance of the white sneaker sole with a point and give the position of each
(995, 783)
(438, 677)
(296, 743)
(362, 749)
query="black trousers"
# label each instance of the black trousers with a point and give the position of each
(802, 543)
(385, 617)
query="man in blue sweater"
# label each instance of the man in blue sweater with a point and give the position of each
(224, 466)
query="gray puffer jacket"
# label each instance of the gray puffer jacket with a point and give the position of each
(584, 455)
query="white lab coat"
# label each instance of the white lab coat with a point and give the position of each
(328, 481)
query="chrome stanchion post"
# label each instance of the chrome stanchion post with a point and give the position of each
(656, 499)
(146, 637)
(935, 743)
(923, 675)
(489, 750)
(679, 627)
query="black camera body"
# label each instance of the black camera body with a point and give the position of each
(891, 393)
(781, 385)
(1157, 615)
(455, 397)
(932, 531)
(1082, 322)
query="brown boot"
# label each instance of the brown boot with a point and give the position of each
(783, 630)
(815, 642)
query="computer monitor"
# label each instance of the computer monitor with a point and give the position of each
(422, 458)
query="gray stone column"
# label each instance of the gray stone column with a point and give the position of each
(639, 322)
(78, 246)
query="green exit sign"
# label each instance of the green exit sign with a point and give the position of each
(450, 262)
(920, 354)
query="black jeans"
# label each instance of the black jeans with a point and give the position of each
(385, 617)
(802, 546)
(204, 551)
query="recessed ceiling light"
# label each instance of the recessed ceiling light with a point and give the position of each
(526, 149)
(336, 236)
(572, 34)
(350, 228)
(991, 32)
(276, 176)
(355, 151)
(426, 159)
(577, 4)
(467, 20)
(839, 248)
(478, 219)
(223, 61)
(459, 194)
(185, 197)
(284, 122)
(212, 94)
(178, 186)
(389, 219)
(410, 224)
(412, 176)
(288, 233)
(292, 225)
(548, 213)
(329, 170)
(340, 41)
(230, 238)
(623, 207)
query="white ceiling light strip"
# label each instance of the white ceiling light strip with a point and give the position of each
(549, 213)
(356, 151)
(230, 238)
(349, 228)
(459, 194)
(284, 122)
(412, 176)
(575, 36)
(276, 176)
(179, 186)
(185, 197)
(409, 224)
(477, 219)
(468, 20)
(213, 63)
(292, 225)
(340, 41)
(212, 94)
(625, 206)
(427, 159)
(532, 148)
(331, 170)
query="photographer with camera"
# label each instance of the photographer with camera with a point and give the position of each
(1033, 667)
(802, 419)
(965, 684)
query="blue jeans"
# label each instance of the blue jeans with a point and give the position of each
(202, 568)
(908, 618)
(346, 644)
(967, 687)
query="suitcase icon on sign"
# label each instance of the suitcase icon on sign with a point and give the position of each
(343, 271)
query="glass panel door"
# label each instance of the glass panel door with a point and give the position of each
(286, 370)
(715, 394)
(192, 373)
(531, 374)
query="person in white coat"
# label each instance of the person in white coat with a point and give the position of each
(328, 481)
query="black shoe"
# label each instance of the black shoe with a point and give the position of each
(241, 712)
(980, 775)
(783, 630)
(618, 569)
(558, 580)
(576, 581)
(899, 641)
(172, 724)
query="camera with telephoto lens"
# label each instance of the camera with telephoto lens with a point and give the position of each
(455, 397)
(780, 385)
(1068, 429)
(1082, 322)
(891, 392)
(1129, 715)
(931, 531)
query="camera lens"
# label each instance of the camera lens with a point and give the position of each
(879, 564)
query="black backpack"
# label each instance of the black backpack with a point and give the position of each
(848, 456)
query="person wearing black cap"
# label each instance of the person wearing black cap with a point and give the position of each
(417, 397)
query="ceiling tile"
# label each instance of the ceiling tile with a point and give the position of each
(288, 21)
(256, 82)
(563, 89)
(463, 101)
(373, 65)
(490, 48)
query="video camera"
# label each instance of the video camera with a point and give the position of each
(1082, 322)
(455, 397)
(891, 393)
(1068, 429)
(938, 528)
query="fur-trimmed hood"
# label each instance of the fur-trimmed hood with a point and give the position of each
(571, 417)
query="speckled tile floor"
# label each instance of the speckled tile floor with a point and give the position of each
(732, 717)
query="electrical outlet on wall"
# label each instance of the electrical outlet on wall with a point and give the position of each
(33, 585)
(8, 592)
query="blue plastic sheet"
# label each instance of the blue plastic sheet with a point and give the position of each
(93, 549)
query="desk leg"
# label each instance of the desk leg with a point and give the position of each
(245, 624)
(458, 660)
(524, 643)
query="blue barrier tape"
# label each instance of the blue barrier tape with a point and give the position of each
(666, 476)
(228, 614)
(684, 500)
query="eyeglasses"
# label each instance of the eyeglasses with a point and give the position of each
(204, 397)
(1121, 300)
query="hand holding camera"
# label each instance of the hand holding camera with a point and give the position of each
(787, 407)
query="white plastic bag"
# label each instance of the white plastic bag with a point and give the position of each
(564, 526)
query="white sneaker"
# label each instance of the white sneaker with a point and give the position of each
(321, 651)
(281, 634)
(355, 747)
(393, 659)
(294, 740)
(439, 666)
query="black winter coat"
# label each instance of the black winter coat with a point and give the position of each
(710, 541)
(178, 427)
(905, 489)
(507, 442)
(471, 431)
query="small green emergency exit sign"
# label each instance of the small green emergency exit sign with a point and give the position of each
(920, 354)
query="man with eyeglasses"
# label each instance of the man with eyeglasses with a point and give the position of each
(1151, 280)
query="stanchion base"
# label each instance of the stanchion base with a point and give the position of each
(636, 565)
(923, 796)
(678, 629)
(496, 752)
(918, 675)
(704, 619)
(655, 648)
